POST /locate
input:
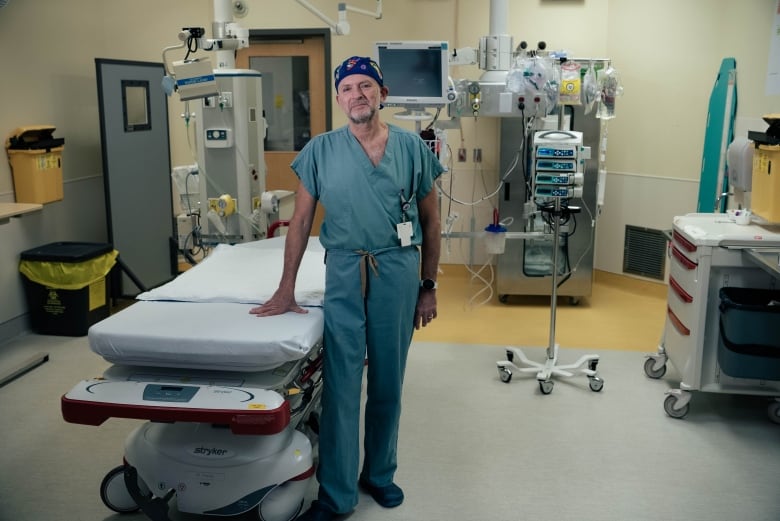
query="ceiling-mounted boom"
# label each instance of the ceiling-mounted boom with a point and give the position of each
(341, 27)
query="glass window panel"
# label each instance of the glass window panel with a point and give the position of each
(135, 105)
(285, 100)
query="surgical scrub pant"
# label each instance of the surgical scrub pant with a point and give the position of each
(378, 325)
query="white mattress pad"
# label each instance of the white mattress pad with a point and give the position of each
(247, 273)
(201, 319)
(205, 335)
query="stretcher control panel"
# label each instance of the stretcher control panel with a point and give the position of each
(247, 410)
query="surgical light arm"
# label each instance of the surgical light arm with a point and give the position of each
(341, 27)
(230, 36)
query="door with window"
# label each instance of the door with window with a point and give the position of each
(296, 97)
(133, 113)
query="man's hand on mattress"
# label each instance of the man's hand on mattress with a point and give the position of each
(278, 304)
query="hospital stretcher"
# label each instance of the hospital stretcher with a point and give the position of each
(231, 399)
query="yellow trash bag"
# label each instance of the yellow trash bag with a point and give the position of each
(68, 275)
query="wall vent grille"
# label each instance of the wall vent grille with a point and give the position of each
(644, 252)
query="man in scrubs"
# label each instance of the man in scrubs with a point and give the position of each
(381, 232)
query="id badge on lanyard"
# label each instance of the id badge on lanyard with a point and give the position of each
(404, 228)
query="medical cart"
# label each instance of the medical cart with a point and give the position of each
(710, 252)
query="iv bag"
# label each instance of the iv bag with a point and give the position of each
(610, 89)
(541, 81)
(590, 89)
(515, 78)
(571, 84)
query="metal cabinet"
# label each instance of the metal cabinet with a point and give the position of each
(525, 267)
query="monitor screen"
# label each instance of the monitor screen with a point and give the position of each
(416, 73)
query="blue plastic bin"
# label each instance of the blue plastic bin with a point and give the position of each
(749, 339)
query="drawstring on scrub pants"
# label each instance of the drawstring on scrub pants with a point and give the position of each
(367, 260)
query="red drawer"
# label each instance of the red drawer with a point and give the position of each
(679, 291)
(677, 323)
(683, 242)
(681, 303)
(684, 261)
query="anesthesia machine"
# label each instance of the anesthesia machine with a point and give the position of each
(552, 110)
(546, 102)
(541, 112)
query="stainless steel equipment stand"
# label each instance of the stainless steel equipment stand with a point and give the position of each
(550, 367)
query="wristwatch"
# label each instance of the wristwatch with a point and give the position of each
(428, 284)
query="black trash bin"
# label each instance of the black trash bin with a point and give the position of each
(65, 285)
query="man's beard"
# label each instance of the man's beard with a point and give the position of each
(363, 118)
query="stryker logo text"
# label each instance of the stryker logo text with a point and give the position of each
(205, 451)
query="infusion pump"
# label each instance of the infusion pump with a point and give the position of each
(558, 165)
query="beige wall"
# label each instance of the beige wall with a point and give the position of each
(667, 51)
(48, 63)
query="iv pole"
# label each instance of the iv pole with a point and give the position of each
(545, 371)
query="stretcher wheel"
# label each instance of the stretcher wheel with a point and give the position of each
(774, 411)
(283, 503)
(114, 494)
(654, 373)
(505, 374)
(596, 384)
(669, 403)
(546, 386)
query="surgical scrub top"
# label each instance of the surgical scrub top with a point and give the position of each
(363, 203)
